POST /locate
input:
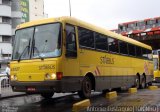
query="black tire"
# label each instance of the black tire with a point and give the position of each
(137, 82)
(150, 84)
(47, 95)
(105, 91)
(86, 88)
(143, 82)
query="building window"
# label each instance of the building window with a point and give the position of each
(6, 39)
(6, 20)
(7, 2)
(6, 55)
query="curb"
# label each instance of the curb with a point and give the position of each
(132, 90)
(81, 105)
(12, 96)
(111, 95)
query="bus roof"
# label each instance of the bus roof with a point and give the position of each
(83, 24)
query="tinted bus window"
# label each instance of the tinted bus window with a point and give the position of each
(132, 50)
(138, 51)
(113, 45)
(144, 53)
(123, 47)
(86, 37)
(101, 42)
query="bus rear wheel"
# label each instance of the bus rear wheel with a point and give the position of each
(47, 95)
(137, 82)
(143, 82)
(86, 88)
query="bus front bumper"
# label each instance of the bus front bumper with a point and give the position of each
(66, 85)
(36, 87)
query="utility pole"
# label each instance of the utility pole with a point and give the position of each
(70, 8)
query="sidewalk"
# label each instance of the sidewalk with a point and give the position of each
(8, 93)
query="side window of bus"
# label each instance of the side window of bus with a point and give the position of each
(101, 42)
(86, 37)
(71, 48)
(132, 50)
(123, 47)
(113, 45)
(144, 53)
(138, 51)
(149, 52)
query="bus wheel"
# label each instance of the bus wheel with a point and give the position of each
(86, 88)
(137, 82)
(143, 82)
(47, 95)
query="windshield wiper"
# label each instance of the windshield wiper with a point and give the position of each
(34, 47)
(22, 53)
(27, 47)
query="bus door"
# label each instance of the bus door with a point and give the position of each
(71, 60)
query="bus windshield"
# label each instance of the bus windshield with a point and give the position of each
(38, 42)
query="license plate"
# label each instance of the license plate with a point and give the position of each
(31, 89)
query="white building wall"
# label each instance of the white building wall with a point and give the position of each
(5, 10)
(5, 50)
(36, 9)
(5, 29)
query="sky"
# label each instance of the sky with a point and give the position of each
(104, 13)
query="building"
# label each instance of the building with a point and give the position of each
(12, 13)
(146, 31)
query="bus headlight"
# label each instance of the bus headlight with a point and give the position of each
(53, 76)
(13, 77)
(50, 76)
(47, 76)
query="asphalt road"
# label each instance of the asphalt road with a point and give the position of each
(143, 101)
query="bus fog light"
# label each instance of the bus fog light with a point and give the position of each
(48, 76)
(13, 77)
(53, 76)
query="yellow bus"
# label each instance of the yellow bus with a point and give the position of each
(68, 55)
(156, 68)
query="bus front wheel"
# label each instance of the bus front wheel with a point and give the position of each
(86, 88)
(47, 95)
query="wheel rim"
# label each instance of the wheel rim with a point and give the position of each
(143, 82)
(137, 83)
(87, 88)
